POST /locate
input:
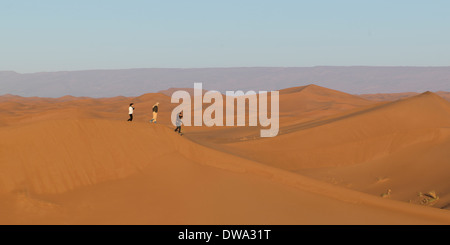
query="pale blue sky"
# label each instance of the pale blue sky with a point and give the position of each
(55, 35)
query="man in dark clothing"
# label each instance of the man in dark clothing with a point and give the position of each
(179, 123)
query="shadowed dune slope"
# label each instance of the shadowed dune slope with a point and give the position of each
(407, 173)
(313, 101)
(354, 137)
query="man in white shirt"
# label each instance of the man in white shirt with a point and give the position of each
(130, 112)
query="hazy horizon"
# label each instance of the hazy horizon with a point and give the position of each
(135, 82)
(224, 67)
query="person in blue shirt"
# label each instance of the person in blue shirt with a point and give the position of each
(178, 123)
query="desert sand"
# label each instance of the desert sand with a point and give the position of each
(338, 159)
(397, 96)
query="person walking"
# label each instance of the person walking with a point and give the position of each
(130, 112)
(179, 122)
(155, 112)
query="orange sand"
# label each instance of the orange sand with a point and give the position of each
(78, 161)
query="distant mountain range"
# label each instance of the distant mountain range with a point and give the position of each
(134, 82)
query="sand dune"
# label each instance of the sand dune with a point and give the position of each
(397, 96)
(351, 138)
(75, 153)
(75, 160)
(298, 105)
(407, 173)
(312, 101)
(359, 148)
